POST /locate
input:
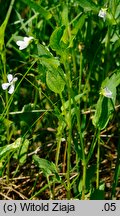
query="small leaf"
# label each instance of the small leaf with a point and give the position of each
(21, 153)
(64, 15)
(55, 80)
(43, 51)
(9, 148)
(46, 166)
(46, 57)
(55, 40)
(88, 5)
(38, 8)
(105, 106)
(50, 63)
(77, 27)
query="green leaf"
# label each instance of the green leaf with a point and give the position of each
(88, 5)
(3, 27)
(105, 106)
(55, 80)
(10, 148)
(21, 153)
(116, 79)
(66, 104)
(116, 173)
(54, 75)
(113, 81)
(43, 51)
(50, 63)
(110, 19)
(38, 8)
(46, 166)
(2, 32)
(56, 42)
(103, 112)
(90, 176)
(46, 57)
(98, 194)
(64, 15)
(77, 27)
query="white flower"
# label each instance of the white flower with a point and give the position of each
(23, 44)
(102, 13)
(10, 84)
(106, 92)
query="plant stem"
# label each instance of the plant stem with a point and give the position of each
(107, 51)
(81, 69)
(9, 11)
(117, 172)
(98, 162)
(60, 130)
(92, 147)
(3, 57)
(69, 134)
(84, 180)
(77, 112)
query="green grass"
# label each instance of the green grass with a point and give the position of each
(59, 129)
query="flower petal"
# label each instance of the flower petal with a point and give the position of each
(10, 77)
(5, 86)
(102, 13)
(107, 92)
(22, 44)
(27, 39)
(19, 42)
(15, 79)
(11, 89)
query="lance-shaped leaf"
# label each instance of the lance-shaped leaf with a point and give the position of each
(10, 148)
(105, 105)
(38, 8)
(88, 5)
(57, 40)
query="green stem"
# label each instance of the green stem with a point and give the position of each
(84, 180)
(116, 173)
(3, 57)
(59, 137)
(50, 189)
(92, 147)
(83, 158)
(107, 51)
(69, 135)
(98, 162)
(77, 111)
(9, 11)
(60, 129)
(81, 69)
(80, 132)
